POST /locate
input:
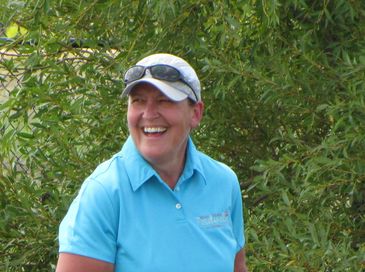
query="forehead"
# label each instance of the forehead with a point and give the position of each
(146, 89)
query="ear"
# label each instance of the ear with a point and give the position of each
(197, 116)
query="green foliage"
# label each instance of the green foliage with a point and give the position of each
(284, 93)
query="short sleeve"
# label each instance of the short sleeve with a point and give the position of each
(237, 216)
(90, 225)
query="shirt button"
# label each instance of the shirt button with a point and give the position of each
(178, 206)
(177, 189)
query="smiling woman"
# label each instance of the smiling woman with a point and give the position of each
(149, 207)
(149, 110)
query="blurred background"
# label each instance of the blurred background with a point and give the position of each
(284, 90)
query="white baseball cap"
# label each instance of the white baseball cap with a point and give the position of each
(187, 86)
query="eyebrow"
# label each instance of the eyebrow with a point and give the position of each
(140, 93)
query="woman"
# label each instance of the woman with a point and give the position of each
(159, 204)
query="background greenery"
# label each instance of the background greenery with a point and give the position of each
(285, 107)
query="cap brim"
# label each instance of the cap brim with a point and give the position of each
(172, 90)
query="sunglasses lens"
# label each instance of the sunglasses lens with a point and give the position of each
(165, 72)
(134, 73)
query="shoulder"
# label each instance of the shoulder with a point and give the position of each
(215, 168)
(110, 171)
(220, 179)
(98, 195)
(105, 183)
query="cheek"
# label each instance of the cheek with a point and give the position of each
(129, 118)
(132, 119)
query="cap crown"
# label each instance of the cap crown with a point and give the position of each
(187, 72)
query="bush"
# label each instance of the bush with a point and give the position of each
(284, 94)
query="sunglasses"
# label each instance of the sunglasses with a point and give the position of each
(158, 71)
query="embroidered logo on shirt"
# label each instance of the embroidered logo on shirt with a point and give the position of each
(214, 220)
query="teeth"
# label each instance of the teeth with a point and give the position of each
(154, 129)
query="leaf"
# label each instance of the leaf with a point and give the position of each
(313, 233)
(285, 198)
(12, 30)
(25, 135)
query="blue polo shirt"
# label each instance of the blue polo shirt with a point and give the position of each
(126, 215)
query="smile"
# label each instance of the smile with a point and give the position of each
(151, 130)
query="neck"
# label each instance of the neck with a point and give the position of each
(170, 167)
(170, 172)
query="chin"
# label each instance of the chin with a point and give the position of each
(151, 154)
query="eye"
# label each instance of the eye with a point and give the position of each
(165, 100)
(136, 99)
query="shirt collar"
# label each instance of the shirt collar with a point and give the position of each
(193, 162)
(140, 171)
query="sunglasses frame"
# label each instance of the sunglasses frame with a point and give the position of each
(156, 76)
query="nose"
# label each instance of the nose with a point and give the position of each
(151, 110)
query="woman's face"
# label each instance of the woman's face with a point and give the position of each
(160, 126)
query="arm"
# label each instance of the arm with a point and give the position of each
(76, 263)
(240, 262)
